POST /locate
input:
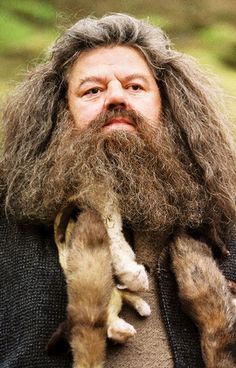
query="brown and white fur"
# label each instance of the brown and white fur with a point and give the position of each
(203, 290)
(93, 300)
(131, 275)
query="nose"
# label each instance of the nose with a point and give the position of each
(115, 97)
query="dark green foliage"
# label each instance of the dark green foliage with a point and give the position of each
(28, 27)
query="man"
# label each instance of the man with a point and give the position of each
(113, 104)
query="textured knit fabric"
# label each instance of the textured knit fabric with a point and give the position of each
(33, 302)
(32, 297)
(183, 334)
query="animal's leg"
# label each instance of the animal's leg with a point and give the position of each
(206, 297)
(118, 329)
(136, 302)
(129, 272)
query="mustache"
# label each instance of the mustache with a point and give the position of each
(136, 119)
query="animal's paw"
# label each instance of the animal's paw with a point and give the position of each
(134, 277)
(136, 302)
(142, 308)
(120, 331)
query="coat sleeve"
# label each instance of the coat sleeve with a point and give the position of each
(32, 296)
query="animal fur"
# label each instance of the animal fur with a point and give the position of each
(132, 275)
(205, 293)
(93, 300)
(206, 296)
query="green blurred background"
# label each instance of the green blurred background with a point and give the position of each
(205, 29)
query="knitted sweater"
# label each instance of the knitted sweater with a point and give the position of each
(33, 303)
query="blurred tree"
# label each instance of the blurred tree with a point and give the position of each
(205, 28)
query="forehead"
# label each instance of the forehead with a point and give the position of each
(112, 59)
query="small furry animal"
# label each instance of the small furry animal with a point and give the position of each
(94, 302)
(131, 274)
(208, 298)
(85, 242)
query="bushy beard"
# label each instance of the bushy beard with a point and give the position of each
(146, 172)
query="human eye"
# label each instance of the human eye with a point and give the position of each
(135, 87)
(94, 91)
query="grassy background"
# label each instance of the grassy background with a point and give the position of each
(205, 29)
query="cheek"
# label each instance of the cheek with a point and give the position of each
(150, 108)
(82, 113)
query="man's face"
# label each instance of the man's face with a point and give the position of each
(107, 78)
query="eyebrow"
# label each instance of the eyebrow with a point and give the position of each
(143, 77)
(91, 78)
(128, 78)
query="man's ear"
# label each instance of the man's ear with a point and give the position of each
(58, 343)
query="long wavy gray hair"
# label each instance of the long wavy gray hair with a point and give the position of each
(35, 116)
